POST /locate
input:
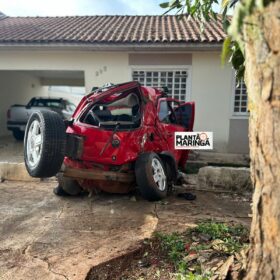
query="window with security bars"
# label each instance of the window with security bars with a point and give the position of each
(175, 81)
(240, 99)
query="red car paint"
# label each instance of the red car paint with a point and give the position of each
(151, 135)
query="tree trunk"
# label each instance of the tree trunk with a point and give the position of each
(262, 52)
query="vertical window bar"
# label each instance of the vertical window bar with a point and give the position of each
(173, 84)
(180, 85)
(186, 81)
(241, 92)
(145, 80)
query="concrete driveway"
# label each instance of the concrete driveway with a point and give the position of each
(10, 149)
(46, 237)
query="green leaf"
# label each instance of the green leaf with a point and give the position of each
(237, 59)
(193, 10)
(164, 5)
(225, 3)
(174, 3)
(232, 3)
(240, 73)
(188, 5)
(224, 12)
(226, 24)
(226, 51)
(214, 15)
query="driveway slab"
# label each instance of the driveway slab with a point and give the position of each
(47, 237)
(10, 149)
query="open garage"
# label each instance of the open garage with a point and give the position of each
(18, 87)
(53, 74)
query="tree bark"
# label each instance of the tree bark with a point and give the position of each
(261, 33)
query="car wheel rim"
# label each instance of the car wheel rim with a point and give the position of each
(159, 174)
(34, 144)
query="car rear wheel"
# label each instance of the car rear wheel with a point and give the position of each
(151, 176)
(44, 144)
(18, 134)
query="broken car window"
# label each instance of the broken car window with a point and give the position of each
(166, 113)
(121, 109)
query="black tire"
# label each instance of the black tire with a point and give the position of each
(145, 177)
(70, 186)
(18, 134)
(53, 143)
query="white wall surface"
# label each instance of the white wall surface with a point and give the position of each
(212, 92)
(99, 68)
(16, 88)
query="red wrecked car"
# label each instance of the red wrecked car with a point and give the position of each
(119, 137)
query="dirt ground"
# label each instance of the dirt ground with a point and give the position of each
(46, 237)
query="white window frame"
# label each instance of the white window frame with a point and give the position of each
(167, 68)
(237, 115)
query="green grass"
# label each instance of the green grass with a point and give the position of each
(191, 276)
(213, 229)
(230, 235)
(179, 246)
(173, 244)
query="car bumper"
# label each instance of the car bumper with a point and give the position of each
(100, 175)
(16, 125)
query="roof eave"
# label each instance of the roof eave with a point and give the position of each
(133, 47)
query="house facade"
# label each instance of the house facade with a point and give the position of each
(155, 50)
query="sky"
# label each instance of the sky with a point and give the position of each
(80, 7)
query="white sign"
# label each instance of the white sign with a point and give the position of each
(199, 140)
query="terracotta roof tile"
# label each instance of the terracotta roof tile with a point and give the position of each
(108, 29)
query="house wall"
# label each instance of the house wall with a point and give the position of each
(211, 84)
(160, 59)
(16, 88)
(212, 92)
(238, 136)
(99, 68)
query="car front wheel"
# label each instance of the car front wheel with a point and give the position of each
(44, 144)
(151, 176)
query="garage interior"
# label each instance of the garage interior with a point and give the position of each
(18, 87)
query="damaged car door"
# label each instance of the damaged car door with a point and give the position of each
(175, 116)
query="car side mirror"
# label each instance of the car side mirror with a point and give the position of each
(27, 106)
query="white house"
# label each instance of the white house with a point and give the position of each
(88, 51)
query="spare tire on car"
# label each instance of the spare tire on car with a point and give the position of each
(44, 144)
(151, 176)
